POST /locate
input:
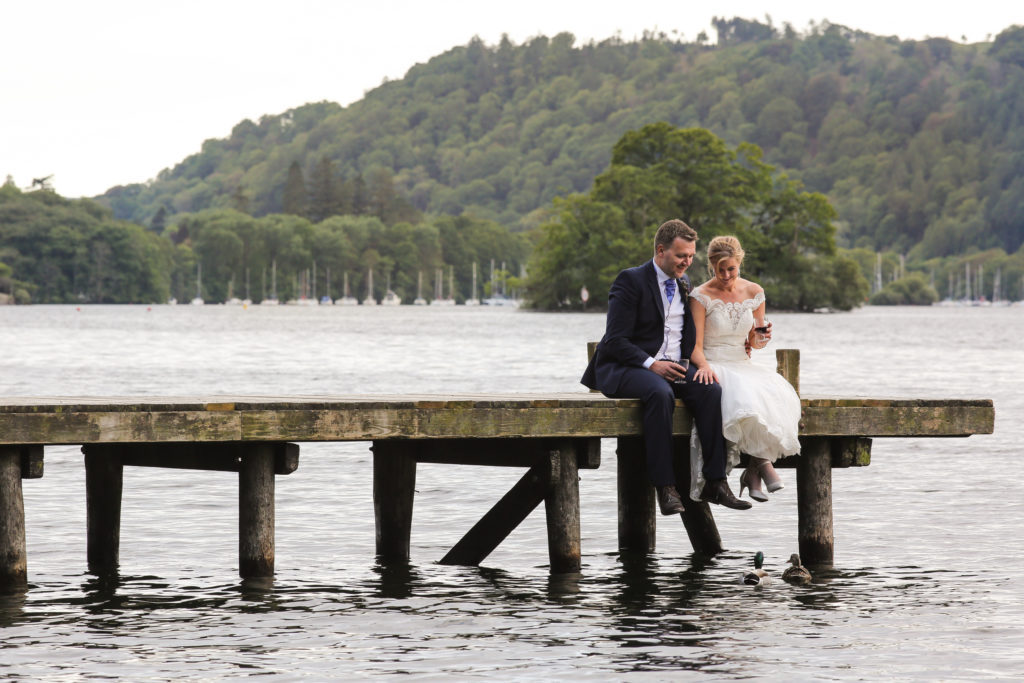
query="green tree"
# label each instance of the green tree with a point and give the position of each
(661, 172)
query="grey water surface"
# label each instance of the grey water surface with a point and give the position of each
(929, 548)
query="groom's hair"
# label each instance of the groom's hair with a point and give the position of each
(670, 230)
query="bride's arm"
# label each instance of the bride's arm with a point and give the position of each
(759, 314)
(704, 374)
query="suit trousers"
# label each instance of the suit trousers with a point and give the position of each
(704, 401)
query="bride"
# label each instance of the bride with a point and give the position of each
(760, 410)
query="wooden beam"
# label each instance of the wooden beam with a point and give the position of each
(222, 457)
(508, 513)
(32, 461)
(502, 452)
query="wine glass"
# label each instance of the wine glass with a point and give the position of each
(761, 328)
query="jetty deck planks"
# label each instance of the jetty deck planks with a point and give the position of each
(551, 435)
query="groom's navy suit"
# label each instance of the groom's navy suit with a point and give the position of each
(634, 332)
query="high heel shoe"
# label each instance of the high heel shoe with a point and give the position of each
(755, 493)
(770, 477)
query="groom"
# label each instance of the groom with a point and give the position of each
(649, 326)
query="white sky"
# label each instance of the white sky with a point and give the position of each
(109, 92)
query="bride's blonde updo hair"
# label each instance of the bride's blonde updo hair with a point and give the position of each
(721, 248)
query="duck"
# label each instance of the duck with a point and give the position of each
(797, 574)
(759, 576)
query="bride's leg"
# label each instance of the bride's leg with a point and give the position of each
(768, 474)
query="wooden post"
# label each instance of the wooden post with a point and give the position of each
(394, 487)
(697, 518)
(104, 480)
(814, 501)
(562, 508)
(787, 364)
(637, 520)
(256, 512)
(13, 556)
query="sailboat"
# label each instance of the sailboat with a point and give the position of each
(246, 302)
(346, 299)
(439, 299)
(232, 299)
(326, 299)
(496, 299)
(390, 298)
(198, 300)
(369, 300)
(272, 301)
(472, 300)
(419, 300)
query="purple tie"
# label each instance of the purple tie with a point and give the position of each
(670, 289)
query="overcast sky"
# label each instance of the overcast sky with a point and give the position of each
(109, 92)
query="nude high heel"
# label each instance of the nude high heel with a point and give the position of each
(769, 476)
(752, 482)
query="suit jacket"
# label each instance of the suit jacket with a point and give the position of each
(635, 329)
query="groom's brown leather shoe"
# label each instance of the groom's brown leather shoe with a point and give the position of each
(669, 500)
(717, 491)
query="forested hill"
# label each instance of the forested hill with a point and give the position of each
(915, 143)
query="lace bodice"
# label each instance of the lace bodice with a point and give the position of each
(726, 324)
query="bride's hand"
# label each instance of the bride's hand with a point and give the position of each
(705, 376)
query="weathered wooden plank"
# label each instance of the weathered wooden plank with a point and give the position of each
(508, 513)
(897, 419)
(568, 415)
(118, 427)
(13, 556)
(501, 452)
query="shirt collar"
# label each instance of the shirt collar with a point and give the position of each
(662, 276)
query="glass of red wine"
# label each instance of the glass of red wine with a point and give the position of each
(761, 328)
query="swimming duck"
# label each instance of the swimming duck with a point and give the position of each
(757, 577)
(797, 574)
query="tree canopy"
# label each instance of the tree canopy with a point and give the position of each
(661, 172)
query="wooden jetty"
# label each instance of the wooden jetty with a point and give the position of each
(551, 436)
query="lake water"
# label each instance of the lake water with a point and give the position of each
(928, 538)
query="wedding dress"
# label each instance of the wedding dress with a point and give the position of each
(760, 409)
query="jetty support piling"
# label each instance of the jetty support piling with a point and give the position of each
(636, 497)
(697, 518)
(562, 506)
(104, 483)
(13, 553)
(814, 502)
(394, 487)
(256, 512)
(255, 462)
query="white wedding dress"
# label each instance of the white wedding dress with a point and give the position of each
(760, 409)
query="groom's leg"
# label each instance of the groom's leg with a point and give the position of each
(659, 404)
(704, 401)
